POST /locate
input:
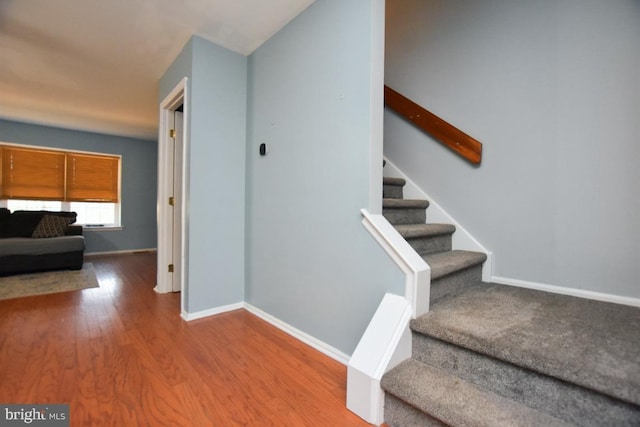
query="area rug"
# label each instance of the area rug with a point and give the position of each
(48, 282)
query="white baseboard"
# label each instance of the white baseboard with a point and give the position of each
(211, 312)
(580, 293)
(126, 251)
(311, 341)
(321, 346)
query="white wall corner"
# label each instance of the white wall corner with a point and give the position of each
(385, 343)
(462, 238)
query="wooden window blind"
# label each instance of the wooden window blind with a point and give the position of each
(32, 174)
(92, 178)
(38, 174)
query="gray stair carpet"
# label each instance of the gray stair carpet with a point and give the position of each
(448, 262)
(411, 231)
(453, 401)
(589, 343)
(493, 355)
(404, 211)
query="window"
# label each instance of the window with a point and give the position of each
(41, 179)
(34, 205)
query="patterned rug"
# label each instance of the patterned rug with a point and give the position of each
(48, 282)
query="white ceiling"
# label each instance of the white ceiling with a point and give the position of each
(95, 64)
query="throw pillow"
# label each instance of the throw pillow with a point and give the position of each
(51, 226)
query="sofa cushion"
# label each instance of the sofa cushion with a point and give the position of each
(32, 247)
(24, 223)
(5, 217)
(51, 226)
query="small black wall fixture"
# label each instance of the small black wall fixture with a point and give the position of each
(263, 149)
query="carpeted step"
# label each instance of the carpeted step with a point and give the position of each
(452, 401)
(454, 271)
(399, 413)
(450, 262)
(392, 187)
(560, 399)
(403, 211)
(389, 180)
(427, 239)
(574, 358)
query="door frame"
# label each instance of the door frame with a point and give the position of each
(178, 96)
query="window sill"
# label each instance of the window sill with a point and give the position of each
(102, 227)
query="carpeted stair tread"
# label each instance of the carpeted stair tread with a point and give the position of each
(412, 231)
(387, 180)
(449, 262)
(457, 402)
(404, 204)
(589, 343)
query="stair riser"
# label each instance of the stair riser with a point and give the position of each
(405, 216)
(560, 399)
(454, 283)
(431, 245)
(392, 192)
(399, 413)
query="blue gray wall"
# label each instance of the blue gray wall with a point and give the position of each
(216, 125)
(139, 176)
(551, 88)
(310, 262)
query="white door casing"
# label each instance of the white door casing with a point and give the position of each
(178, 96)
(176, 223)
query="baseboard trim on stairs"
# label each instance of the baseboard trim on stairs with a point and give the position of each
(311, 341)
(461, 239)
(580, 293)
(211, 312)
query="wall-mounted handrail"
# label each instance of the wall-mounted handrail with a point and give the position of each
(458, 141)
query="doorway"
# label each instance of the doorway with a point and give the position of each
(174, 222)
(172, 191)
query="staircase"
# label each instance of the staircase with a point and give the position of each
(494, 355)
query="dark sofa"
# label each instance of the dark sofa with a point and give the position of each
(39, 240)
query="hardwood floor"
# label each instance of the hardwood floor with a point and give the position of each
(120, 355)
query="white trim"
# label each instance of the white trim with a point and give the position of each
(376, 104)
(416, 270)
(461, 239)
(580, 293)
(210, 312)
(102, 228)
(311, 341)
(387, 339)
(385, 343)
(179, 95)
(121, 252)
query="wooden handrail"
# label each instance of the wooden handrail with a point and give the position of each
(458, 141)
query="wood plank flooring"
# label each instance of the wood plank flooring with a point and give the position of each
(120, 355)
